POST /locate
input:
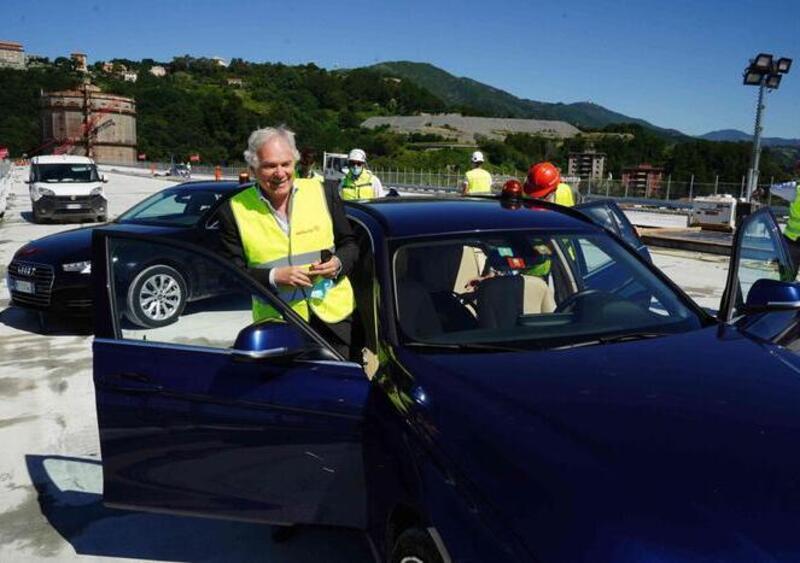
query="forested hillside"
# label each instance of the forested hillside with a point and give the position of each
(196, 109)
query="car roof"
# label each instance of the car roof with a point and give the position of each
(225, 186)
(419, 216)
(61, 159)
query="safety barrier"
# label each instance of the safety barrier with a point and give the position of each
(5, 186)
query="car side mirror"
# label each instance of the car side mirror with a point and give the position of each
(772, 295)
(269, 339)
(104, 179)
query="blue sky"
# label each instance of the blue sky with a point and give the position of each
(677, 64)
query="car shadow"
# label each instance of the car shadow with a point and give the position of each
(49, 324)
(69, 497)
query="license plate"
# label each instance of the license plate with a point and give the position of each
(23, 286)
(74, 206)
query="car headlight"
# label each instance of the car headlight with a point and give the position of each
(84, 267)
(97, 191)
(46, 192)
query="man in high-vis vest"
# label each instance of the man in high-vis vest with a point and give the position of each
(544, 182)
(305, 168)
(477, 180)
(790, 192)
(359, 182)
(292, 235)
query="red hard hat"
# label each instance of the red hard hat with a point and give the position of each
(512, 188)
(543, 179)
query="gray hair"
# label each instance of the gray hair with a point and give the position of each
(261, 137)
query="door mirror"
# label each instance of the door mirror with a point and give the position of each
(269, 339)
(104, 179)
(772, 295)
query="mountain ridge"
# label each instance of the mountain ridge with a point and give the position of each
(484, 98)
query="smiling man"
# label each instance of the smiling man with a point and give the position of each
(293, 236)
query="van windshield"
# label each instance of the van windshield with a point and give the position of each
(65, 172)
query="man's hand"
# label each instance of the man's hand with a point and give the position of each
(327, 269)
(296, 276)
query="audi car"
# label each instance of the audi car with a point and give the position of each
(527, 387)
(53, 274)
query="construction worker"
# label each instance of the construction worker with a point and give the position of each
(477, 180)
(305, 168)
(292, 235)
(790, 191)
(544, 182)
(359, 182)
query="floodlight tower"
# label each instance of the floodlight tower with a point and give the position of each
(764, 71)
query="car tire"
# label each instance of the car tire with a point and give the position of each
(415, 545)
(36, 217)
(101, 218)
(157, 296)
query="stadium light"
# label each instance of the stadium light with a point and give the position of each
(765, 72)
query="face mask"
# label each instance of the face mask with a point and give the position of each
(357, 171)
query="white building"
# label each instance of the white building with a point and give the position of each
(12, 55)
(158, 71)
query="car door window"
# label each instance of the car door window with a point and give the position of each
(163, 293)
(759, 252)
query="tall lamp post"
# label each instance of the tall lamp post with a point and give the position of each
(764, 71)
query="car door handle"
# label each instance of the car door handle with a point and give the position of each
(132, 382)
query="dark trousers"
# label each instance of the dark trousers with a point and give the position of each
(339, 335)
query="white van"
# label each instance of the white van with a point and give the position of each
(66, 187)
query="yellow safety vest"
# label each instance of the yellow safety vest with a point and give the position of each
(479, 181)
(792, 231)
(563, 195)
(358, 188)
(310, 232)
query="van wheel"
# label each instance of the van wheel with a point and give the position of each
(415, 546)
(36, 217)
(157, 296)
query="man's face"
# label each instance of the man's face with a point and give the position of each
(276, 167)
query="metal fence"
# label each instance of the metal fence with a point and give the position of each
(669, 189)
(5, 185)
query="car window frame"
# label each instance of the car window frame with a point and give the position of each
(109, 328)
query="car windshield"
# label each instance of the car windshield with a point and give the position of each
(65, 172)
(529, 289)
(180, 207)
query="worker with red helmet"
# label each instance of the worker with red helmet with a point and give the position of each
(544, 182)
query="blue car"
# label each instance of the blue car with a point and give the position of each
(533, 389)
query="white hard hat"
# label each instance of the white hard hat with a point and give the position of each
(477, 156)
(357, 155)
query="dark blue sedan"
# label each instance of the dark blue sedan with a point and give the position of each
(52, 275)
(533, 390)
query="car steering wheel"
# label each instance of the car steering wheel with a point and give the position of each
(573, 301)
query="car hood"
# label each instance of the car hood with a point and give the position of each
(683, 447)
(64, 189)
(75, 245)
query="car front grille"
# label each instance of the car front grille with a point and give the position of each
(40, 274)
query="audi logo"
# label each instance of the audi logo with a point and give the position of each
(26, 270)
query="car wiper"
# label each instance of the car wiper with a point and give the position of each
(464, 347)
(613, 339)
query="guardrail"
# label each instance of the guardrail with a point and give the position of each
(5, 185)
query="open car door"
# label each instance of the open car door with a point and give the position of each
(607, 214)
(761, 296)
(215, 415)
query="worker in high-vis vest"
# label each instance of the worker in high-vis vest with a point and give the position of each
(292, 235)
(544, 182)
(477, 180)
(359, 182)
(790, 192)
(305, 167)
